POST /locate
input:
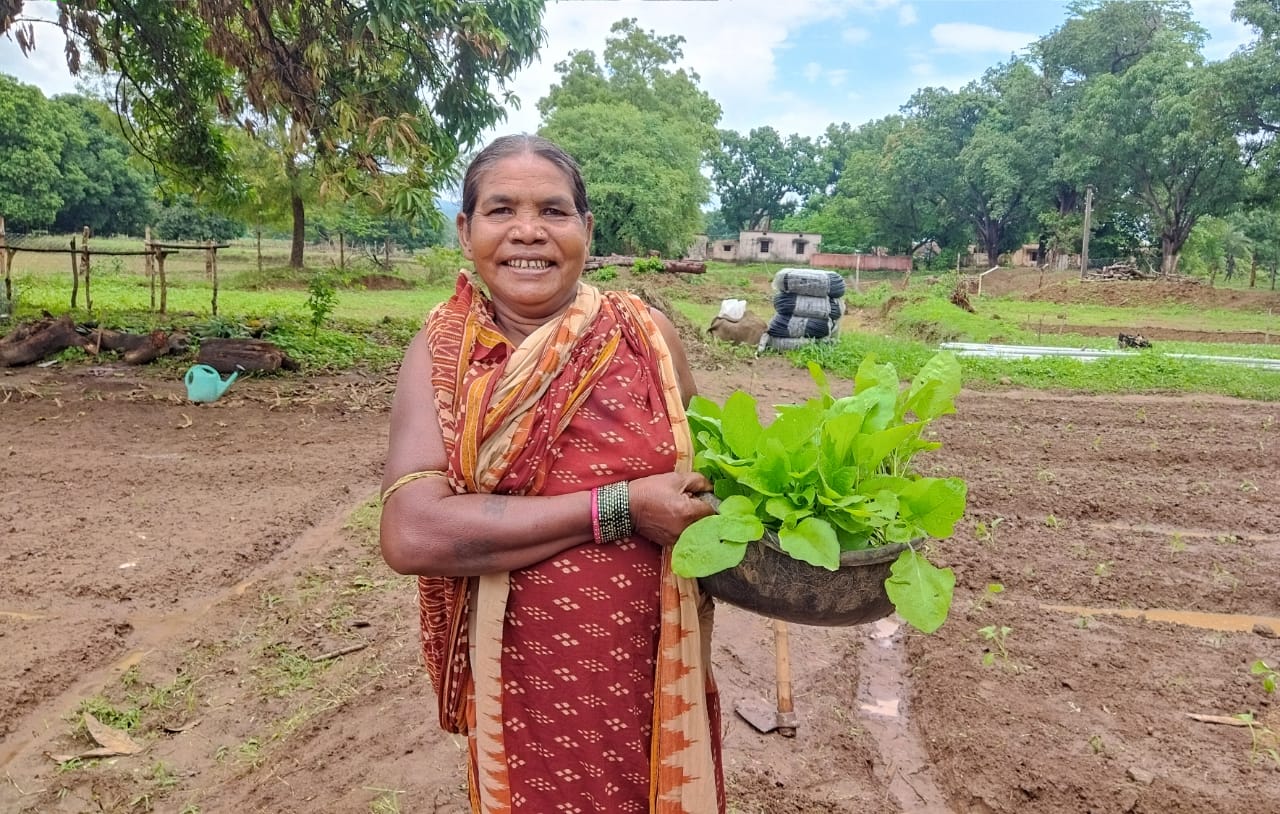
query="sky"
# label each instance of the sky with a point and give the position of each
(794, 65)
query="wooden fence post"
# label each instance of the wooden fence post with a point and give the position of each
(149, 265)
(211, 270)
(75, 275)
(164, 284)
(4, 258)
(84, 269)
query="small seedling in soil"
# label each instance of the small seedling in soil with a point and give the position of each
(1103, 569)
(1248, 486)
(986, 532)
(997, 636)
(1265, 742)
(1176, 544)
(1268, 675)
(1051, 522)
(1096, 744)
(1083, 621)
(992, 589)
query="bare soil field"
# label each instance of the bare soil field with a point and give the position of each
(210, 576)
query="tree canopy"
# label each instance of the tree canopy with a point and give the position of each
(371, 85)
(640, 130)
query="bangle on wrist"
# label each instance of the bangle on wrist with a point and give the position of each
(611, 512)
(595, 515)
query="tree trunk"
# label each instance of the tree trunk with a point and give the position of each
(1253, 272)
(298, 209)
(299, 230)
(31, 343)
(230, 355)
(671, 266)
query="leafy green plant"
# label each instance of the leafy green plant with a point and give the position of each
(1267, 673)
(321, 300)
(647, 265)
(998, 636)
(832, 475)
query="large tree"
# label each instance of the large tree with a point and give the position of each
(33, 135)
(640, 128)
(1161, 139)
(368, 85)
(761, 177)
(99, 187)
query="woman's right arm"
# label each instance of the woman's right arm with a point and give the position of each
(426, 529)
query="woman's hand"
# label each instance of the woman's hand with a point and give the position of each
(663, 505)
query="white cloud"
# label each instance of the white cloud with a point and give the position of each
(974, 39)
(46, 66)
(733, 54)
(837, 77)
(812, 71)
(1225, 34)
(907, 15)
(855, 35)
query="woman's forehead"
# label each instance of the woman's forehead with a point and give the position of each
(522, 171)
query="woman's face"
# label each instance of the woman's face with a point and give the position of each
(527, 241)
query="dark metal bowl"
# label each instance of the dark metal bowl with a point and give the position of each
(771, 583)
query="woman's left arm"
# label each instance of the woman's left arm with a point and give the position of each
(684, 376)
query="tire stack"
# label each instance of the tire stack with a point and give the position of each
(807, 304)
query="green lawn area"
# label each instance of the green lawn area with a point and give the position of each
(369, 328)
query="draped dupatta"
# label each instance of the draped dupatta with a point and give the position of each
(486, 395)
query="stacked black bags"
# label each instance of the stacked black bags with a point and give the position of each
(808, 304)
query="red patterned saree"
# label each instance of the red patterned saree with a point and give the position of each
(581, 682)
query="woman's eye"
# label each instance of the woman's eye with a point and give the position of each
(554, 213)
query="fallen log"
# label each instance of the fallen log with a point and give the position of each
(31, 343)
(230, 355)
(137, 349)
(669, 266)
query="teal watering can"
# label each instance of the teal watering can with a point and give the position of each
(204, 384)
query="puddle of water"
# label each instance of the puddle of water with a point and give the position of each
(1226, 622)
(882, 684)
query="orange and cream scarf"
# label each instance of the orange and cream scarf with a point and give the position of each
(486, 411)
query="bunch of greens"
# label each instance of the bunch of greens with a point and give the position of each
(832, 475)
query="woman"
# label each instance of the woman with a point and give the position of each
(538, 474)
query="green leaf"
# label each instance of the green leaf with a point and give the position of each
(771, 473)
(871, 449)
(813, 541)
(935, 387)
(935, 504)
(717, 542)
(920, 592)
(819, 377)
(877, 383)
(740, 424)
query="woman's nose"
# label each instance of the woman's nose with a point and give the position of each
(528, 228)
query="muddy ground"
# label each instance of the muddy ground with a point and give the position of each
(206, 575)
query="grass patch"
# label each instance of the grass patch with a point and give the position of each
(1148, 372)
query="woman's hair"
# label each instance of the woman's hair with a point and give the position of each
(507, 146)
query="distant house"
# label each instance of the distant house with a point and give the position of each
(1026, 256)
(757, 247)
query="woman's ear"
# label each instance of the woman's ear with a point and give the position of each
(591, 230)
(464, 235)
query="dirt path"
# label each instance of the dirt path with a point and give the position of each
(192, 567)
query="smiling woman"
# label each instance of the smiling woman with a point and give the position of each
(538, 474)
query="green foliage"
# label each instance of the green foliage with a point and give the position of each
(1266, 673)
(754, 174)
(832, 475)
(184, 220)
(98, 185)
(369, 85)
(647, 265)
(321, 300)
(639, 130)
(33, 136)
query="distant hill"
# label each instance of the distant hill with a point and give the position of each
(449, 209)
